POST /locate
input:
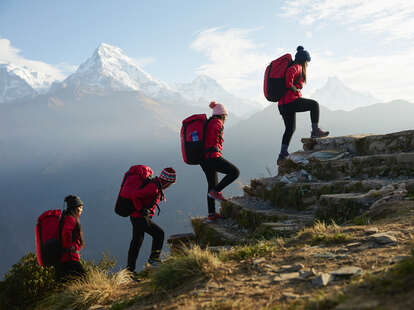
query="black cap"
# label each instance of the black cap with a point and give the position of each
(73, 201)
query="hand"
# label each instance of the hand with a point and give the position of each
(294, 89)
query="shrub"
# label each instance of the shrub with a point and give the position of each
(25, 283)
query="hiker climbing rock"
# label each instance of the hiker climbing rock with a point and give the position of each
(72, 240)
(291, 102)
(213, 160)
(145, 193)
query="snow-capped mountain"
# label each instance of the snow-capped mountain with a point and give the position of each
(13, 84)
(336, 96)
(109, 69)
(204, 89)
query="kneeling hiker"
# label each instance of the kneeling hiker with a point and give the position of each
(71, 239)
(145, 193)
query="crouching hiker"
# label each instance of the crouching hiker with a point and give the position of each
(145, 193)
(72, 240)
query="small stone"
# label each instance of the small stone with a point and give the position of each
(353, 244)
(307, 273)
(287, 276)
(347, 271)
(291, 268)
(383, 238)
(288, 295)
(322, 280)
(259, 261)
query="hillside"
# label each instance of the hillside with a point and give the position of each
(334, 230)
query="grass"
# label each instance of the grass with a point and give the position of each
(190, 263)
(98, 287)
(259, 249)
(321, 232)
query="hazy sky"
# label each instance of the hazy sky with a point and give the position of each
(366, 44)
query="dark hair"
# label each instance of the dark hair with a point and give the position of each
(302, 56)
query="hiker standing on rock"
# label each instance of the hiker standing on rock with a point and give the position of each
(214, 162)
(145, 200)
(71, 239)
(292, 102)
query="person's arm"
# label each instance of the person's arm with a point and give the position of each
(67, 229)
(291, 73)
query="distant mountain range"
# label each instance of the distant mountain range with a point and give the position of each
(336, 96)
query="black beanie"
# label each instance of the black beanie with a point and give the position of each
(302, 55)
(73, 201)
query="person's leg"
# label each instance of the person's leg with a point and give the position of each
(157, 235)
(230, 170)
(303, 105)
(289, 118)
(138, 226)
(76, 269)
(212, 180)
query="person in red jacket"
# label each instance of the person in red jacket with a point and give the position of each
(292, 102)
(214, 161)
(146, 201)
(71, 239)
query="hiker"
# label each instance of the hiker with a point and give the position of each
(71, 239)
(145, 200)
(214, 162)
(292, 102)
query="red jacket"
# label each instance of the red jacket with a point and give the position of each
(292, 74)
(147, 197)
(214, 138)
(71, 242)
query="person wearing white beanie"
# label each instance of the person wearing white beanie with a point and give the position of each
(214, 161)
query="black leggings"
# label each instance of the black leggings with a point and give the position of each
(139, 227)
(71, 269)
(288, 112)
(210, 167)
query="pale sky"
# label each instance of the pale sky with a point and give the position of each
(369, 45)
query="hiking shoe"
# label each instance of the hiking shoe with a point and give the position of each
(154, 263)
(319, 133)
(215, 216)
(281, 159)
(216, 195)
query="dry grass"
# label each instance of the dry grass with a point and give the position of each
(98, 287)
(321, 232)
(191, 262)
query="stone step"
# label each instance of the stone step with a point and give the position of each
(218, 232)
(281, 229)
(250, 213)
(397, 142)
(371, 166)
(302, 195)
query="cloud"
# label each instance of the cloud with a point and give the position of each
(40, 75)
(394, 19)
(386, 77)
(234, 59)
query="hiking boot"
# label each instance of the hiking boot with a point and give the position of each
(135, 276)
(214, 217)
(281, 159)
(319, 133)
(154, 263)
(216, 195)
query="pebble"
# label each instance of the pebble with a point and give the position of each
(307, 274)
(347, 271)
(383, 238)
(322, 279)
(287, 276)
(291, 268)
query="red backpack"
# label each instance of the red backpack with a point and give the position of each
(142, 176)
(192, 138)
(274, 86)
(48, 245)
